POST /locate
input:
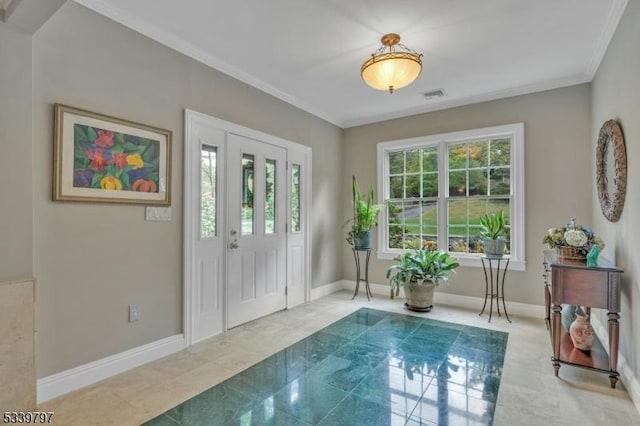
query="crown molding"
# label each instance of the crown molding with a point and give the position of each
(609, 29)
(178, 44)
(470, 100)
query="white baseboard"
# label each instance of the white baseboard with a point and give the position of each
(66, 381)
(327, 289)
(516, 308)
(628, 377)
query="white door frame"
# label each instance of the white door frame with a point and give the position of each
(191, 224)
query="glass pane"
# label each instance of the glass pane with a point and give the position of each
(295, 198)
(246, 218)
(430, 237)
(430, 159)
(429, 215)
(477, 209)
(458, 183)
(208, 165)
(413, 161)
(494, 206)
(457, 156)
(396, 162)
(430, 185)
(458, 213)
(500, 152)
(411, 214)
(270, 197)
(396, 187)
(458, 239)
(478, 182)
(478, 153)
(413, 186)
(395, 228)
(500, 181)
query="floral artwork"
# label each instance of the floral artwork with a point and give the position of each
(104, 159)
(100, 158)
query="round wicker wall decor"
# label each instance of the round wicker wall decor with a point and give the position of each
(611, 194)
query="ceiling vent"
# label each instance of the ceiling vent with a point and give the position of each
(434, 94)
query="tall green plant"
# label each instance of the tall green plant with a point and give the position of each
(365, 212)
(492, 226)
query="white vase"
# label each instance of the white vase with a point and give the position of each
(581, 333)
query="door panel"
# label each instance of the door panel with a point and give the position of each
(296, 237)
(256, 202)
(208, 248)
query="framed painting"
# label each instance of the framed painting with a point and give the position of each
(105, 159)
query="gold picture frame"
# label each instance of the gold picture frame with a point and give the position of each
(98, 158)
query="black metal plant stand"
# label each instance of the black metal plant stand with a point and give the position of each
(494, 288)
(356, 256)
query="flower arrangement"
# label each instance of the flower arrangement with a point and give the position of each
(582, 239)
(105, 159)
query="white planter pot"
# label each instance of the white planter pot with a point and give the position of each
(419, 297)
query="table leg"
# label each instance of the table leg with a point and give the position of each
(504, 272)
(357, 259)
(366, 276)
(492, 293)
(614, 332)
(556, 329)
(486, 287)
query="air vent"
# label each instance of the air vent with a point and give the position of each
(434, 94)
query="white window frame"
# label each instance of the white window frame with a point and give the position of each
(513, 131)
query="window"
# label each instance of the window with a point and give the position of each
(295, 198)
(436, 188)
(270, 197)
(208, 166)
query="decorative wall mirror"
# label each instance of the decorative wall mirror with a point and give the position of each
(611, 170)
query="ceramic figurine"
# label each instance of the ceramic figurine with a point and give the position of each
(592, 256)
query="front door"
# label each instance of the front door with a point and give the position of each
(256, 217)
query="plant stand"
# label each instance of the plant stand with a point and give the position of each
(494, 289)
(356, 256)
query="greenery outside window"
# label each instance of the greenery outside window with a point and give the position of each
(437, 187)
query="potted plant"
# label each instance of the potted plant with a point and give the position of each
(492, 229)
(419, 272)
(365, 217)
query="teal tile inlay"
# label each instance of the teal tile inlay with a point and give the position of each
(369, 368)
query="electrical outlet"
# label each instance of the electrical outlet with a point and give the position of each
(134, 312)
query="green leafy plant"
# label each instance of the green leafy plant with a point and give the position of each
(420, 266)
(492, 226)
(365, 213)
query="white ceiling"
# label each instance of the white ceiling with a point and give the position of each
(309, 52)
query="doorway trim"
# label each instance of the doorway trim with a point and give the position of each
(190, 213)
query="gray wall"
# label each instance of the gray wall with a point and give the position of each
(557, 166)
(16, 225)
(616, 95)
(93, 260)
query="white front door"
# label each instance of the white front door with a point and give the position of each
(256, 218)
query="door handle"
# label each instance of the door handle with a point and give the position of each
(233, 245)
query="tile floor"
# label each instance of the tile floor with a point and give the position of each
(529, 392)
(372, 367)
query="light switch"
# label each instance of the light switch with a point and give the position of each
(158, 213)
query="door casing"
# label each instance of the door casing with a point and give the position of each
(195, 122)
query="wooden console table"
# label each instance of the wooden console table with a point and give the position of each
(591, 287)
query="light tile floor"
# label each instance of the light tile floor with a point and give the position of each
(529, 393)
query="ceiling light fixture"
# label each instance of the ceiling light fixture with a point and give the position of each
(393, 68)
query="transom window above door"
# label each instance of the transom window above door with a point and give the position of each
(436, 188)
